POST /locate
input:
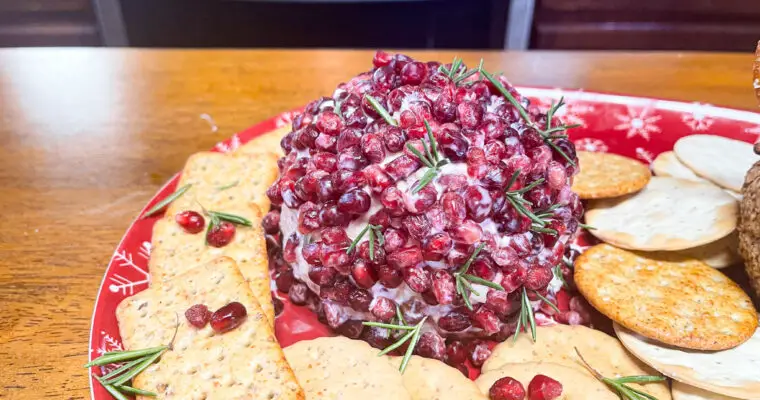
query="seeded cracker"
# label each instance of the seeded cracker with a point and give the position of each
(682, 391)
(604, 175)
(268, 142)
(720, 160)
(430, 379)
(176, 251)
(340, 368)
(557, 345)
(219, 180)
(669, 214)
(734, 372)
(685, 304)
(576, 384)
(244, 363)
(718, 254)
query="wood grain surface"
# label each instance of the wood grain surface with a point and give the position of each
(88, 135)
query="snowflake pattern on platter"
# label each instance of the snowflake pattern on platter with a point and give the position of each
(108, 343)
(591, 144)
(230, 145)
(126, 285)
(638, 122)
(574, 112)
(644, 154)
(698, 119)
(285, 119)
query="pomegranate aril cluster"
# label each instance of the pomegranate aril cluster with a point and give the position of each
(352, 162)
(222, 320)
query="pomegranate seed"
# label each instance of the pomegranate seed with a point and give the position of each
(393, 200)
(569, 318)
(198, 315)
(228, 317)
(363, 274)
(400, 61)
(378, 338)
(380, 218)
(406, 257)
(330, 216)
(394, 139)
(383, 79)
(298, 294)
(468, 232)
(274, 194)
(478, 202)
(377, 178)
(537, 278)
(581, 306)
(541, 387)
(191, 221)
(284, 280)
(349, 137)
(363, 252)
(479, 352)
(401, 167)
(443, 287)
(455, 321)
(456, 353)
(221, 234)
(381, 59)
(324, 161)
(336, 236)
(372, 147)
(431, 345)
(421, 201)
(394, 240)
(444, 109)
(308, 217)
(338, 260)
(483, 268)
(352, 329)
(329, 123)
(418, 279)
(354, 202)
(470, 114)
(288, 194)
(271, 222)
(384, 309)
(321, 275)
(487, 320)
(498, 301)
(417, 226)
(506, 388)
(454, 208)
(351, 159)
(436, 246)
(389, 277)
(360, 299)
(413, 73)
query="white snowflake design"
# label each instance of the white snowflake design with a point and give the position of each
(591, 144)
(572, 113)
(285, 119)
(233, 144)
(124, 259)
(698, 119)
(644, 154)
(107, 344)
(639, 122)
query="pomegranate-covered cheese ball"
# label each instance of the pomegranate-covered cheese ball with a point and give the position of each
(427, 190)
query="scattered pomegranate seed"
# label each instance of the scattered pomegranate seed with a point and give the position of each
(198, 315)
(541, 387)
(221, 234)
(456, 353)
(384, 309)
(228, 317)
(507, 388)
(191, 221)
(431, 345)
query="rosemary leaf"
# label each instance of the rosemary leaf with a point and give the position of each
(387, 326)
(431, 139)
(508, 96)
(541, 229)
(619, 384)
(425, 180)
(640, 379)
(123, 368)
(531, 317)
(115, 393)
(549, 303)
(357, 239)
(517, 329)
(379, 234)
(515, 201)
(467, 285)
(428, 162)
(584, 226)
(115, 357)
(400, 316)
(562, 153)
(530, 186)
(131, 390)
(399, 343)
(136, 370)
(166, 201)
(412, 345)
(481, 281)
(371, 231)
(469, 261)
(235, 219)
(381, 110)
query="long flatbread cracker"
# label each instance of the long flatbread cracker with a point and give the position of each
(431, 379)
(243, 363)
(576, 384)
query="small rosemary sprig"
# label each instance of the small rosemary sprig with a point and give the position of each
(620, 385)
(464, 280)
(412, 336)
(527, 319)
(456, 74)
(165, 202)
(515, 197)
(216, 217)
(585, 226)
(375, 231)
(547, 133)
(431, 159)
(381, 110)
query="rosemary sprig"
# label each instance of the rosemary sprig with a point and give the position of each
(381, 110)
(431, 159)
(585, 226)
(620, 385)
(464, 280)
(166, 201)
(527, 319)
(375, 231)
(515, 197)
(412, 336)
(546, 133)
(218, 216)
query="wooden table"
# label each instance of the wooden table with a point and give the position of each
(88, 135)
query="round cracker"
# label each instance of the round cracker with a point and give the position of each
(604, 175)
(669, 214)
(685, 304)
(718, 254)
(576, 385)
(341, 368)
(682, 391)
(430, 379)
(720, 160)
(734, 372)
(667, 164)
(557, 345)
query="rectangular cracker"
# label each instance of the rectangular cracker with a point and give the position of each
(176, 251)
(243, 363)
(266, 142)
(249, 176)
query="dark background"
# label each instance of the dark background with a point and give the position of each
(713, 25)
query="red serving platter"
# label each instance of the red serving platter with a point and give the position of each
(632, 126)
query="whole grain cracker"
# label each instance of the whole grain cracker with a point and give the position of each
(268, 142)
(176, 251)
(219, 179)
(576, 384)
(431, 379)
(685, 304)
(682, 391)
(734, 372)
(718, 159)
(718, 254)
(667, 164)
(669, 214)
(244, 363)
(557, 345)
(604, 175)
(340, 368)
